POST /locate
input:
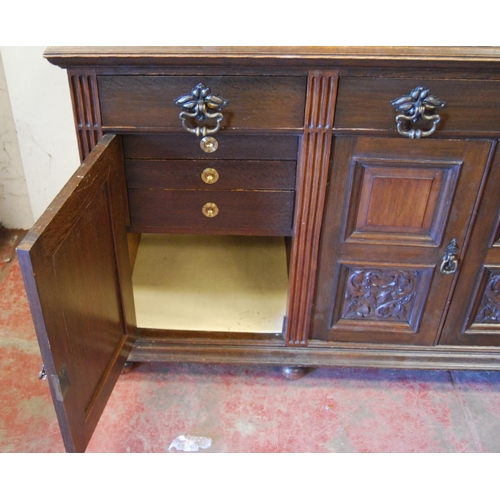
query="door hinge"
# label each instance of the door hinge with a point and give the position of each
(60, 383)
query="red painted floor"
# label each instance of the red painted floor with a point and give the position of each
(245, 409)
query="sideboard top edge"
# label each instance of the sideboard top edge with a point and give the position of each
(112, 56)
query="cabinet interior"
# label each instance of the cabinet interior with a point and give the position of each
(209, 282)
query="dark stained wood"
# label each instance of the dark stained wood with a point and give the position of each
(233, 174)
(367, 215)
(364, 104)
(474, 315)
(294, 372)
(77, 275)
(262, 102)
(442, 58)
(380, 290)
(265, 213)
(210, 347)
(403, 198)
(86, 109)
(312, 172)
(186, 146)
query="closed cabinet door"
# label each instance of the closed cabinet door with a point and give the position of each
(474, 315)
(396, 220)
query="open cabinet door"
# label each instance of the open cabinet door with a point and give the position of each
(77, 276)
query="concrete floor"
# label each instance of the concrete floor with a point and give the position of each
(245, 409)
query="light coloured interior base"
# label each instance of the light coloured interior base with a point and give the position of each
(211, 283)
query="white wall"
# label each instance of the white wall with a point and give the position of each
(15, 208)
(42, 115)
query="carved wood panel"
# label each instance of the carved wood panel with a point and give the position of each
(392, 208)
(489, 307)
(482, 318)
(86, 109)
(392, 298)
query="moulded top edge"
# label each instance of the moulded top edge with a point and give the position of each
(110, 56)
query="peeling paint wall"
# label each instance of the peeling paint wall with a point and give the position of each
(15, 208)
(42, 114)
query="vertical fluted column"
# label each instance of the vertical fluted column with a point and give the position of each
(86, 110)
(312, 169)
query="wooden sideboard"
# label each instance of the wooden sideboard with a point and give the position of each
(300, 207)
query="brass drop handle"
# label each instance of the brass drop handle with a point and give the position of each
(210, 210)
(417, 106)
(210, 176)
(449, 262)
(198, 106)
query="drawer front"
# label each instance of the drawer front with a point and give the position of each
(186, 146)
(255, 102)
(471, 105)
(209, 174)
(239, 212)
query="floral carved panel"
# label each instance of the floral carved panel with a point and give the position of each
(489, 308)
(387, 298)
(380, 294)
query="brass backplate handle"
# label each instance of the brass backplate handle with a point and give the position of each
(419, 106)
(449, 262)
(199, 106)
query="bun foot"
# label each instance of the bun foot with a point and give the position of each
(129, 366)
(293, 372)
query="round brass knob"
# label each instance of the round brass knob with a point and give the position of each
(210, 176)
(210, 210)
(209, 144)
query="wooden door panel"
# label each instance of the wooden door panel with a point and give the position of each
(384, 237)
(474, 314)
(402, 201)
(77, 274)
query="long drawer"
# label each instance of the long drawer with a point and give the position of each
(365, 103)
(255, 102)
(237, 212)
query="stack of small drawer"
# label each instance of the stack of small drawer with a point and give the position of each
(245, 186)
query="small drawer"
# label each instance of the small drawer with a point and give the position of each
(254, 102)
(365, 103)
(265, 213)
(208, 174)
(186, 146)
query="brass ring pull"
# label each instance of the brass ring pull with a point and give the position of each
(417, 106)
(210, 210)
(449, 263)
(210, 176)
(201, 105)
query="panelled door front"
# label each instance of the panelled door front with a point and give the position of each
(77, 275)
(397, 214)
(474, 315)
